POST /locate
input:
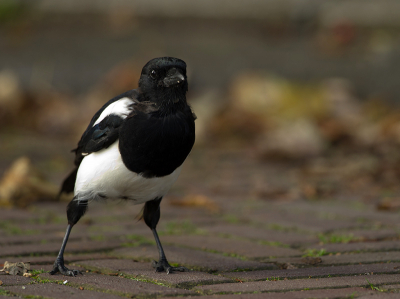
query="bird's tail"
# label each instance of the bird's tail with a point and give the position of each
(68, 184)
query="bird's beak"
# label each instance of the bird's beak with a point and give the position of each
(176, 78)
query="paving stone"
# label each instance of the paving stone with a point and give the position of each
(53, 235)
(303, 294)
(23, 239)
(43, 227)
(190, 258)
(136, 269)
(335, 209)
(370, 235)
(343, 259)
(231, 246)
(48, 268)
(378, 295)
(96, 209)
(290, 238)
(49, 259)
(359, 246)
(306, 222)
(115, 283)
(343, 209)
(392, 287)
(81, 234)
(54, 247)
(52, 290)
(362, 258)
(301, 284)
(15, 214)
(9, 280)
(316, 271)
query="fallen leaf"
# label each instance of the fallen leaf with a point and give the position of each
(311, 260)
(18, 268)
(238, 280)
(389, 204)
(287, 266)
(22, 185)
(196, 200)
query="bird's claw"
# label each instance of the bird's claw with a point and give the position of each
(60, 267)
(163, 265)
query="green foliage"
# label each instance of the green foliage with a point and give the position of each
(231, 218)
(315, 253)
(374, 288)
(11, 229)
(135, 240)
(278, 227)
(272, 243)
(35, 272)
(353, 295)
(273, 279)
(11, 10)
(4, 292)
(181, 228)
(97, 238)
(335, 238)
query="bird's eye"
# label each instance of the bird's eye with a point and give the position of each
(153, 74)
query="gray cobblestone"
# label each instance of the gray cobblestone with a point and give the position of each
(115, 283)
(302, 284)
(229, 246)
(136, 269)
(191, 258)
(51, 290)
(303, 294)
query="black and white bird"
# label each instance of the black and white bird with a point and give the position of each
(133, 149)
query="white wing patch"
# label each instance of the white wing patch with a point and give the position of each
(120, 108)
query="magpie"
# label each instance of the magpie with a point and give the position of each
(133, 149)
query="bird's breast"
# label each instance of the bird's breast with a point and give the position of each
(156, 146)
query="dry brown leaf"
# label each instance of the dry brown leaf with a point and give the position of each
(389, 204)
(311, 260)
(18, 268)
(196, 200)
(22, 185)
(287, 266)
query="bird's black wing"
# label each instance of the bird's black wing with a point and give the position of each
(100, 136)
(96, 137)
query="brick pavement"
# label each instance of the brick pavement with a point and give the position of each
(249, 247)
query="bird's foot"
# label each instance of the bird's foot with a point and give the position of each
(59, 267)
(163, 265)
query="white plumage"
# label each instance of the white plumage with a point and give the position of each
(104, 174)
(121, 108)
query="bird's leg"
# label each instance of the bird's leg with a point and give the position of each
(75, 211)
(59, 263)
(151, 215)
(162, 264)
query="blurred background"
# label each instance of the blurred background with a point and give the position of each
(296, 99)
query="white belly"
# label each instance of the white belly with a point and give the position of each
(104, 174)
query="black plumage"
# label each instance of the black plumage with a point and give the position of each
(133, 149)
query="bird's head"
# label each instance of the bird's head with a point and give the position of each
(163, 81)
